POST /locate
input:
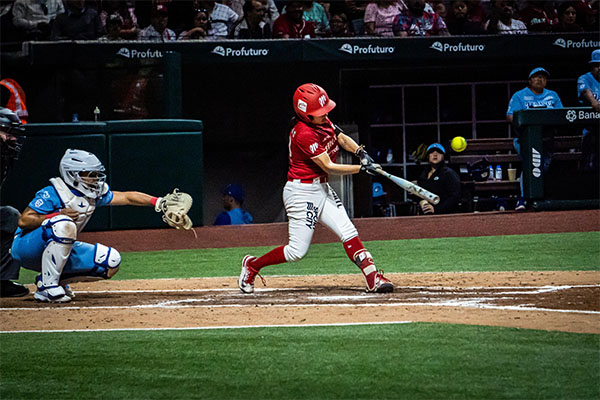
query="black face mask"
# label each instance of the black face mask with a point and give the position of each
(9, 150)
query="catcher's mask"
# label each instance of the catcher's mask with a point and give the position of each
(480, 170)
(83, 171)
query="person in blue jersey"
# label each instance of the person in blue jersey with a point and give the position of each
(45, 240)
(233, 198)
(588, 93)
(535, 95)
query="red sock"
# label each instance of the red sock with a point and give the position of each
(273, 257)
(352, 247)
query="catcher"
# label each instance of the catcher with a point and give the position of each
(45, 240)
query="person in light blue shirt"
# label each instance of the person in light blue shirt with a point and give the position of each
(233, 198)
(535, 95)
(588, 93)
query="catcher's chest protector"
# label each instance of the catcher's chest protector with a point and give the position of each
(84, 206)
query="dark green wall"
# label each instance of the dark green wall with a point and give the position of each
(151, 156)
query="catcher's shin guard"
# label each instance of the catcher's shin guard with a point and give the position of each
(61, 233)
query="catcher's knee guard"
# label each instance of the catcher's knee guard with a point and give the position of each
(60, 233)
(99, 262)
(108, 259)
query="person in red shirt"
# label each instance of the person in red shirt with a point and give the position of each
(314, 142)
(292, 25)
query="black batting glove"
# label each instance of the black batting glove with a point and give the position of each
(371, 169)
(365, 158)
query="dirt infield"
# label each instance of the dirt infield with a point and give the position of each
(564, 301)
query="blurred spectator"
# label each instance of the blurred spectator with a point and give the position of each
(539, 16)
(222, 19)
(292, 25)
(458, 23)
(502, 21)
(355, 13)
(157, 31)
(476, 12)
(419, 20)
(314, 12)
(113, 29)
(253, 25)
(339, 25)
(588, 92)
(35, 17)
(125, 11)
(77, 23)
(567, 17)
(380, 17)
(439, 7)
(271, 11)
(200, 28)
(233, 198)
(441, 180)
(587, 14)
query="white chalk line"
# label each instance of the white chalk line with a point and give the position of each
(473, 303)
(541, 289)
(193, 328)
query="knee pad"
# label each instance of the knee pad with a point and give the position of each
(293, 253)
(61, 229)
(107, 257)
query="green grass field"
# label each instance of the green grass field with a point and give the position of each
(411, 361)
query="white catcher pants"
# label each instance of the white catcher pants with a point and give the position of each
(309, 203)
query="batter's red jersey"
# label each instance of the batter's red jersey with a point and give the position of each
(306, 142)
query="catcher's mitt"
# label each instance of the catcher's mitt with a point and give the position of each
(175, 207)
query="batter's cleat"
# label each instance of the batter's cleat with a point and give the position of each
(380, 284)
(248, 275)
(12, 289)
(67, 288)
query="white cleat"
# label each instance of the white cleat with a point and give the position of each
(246, 280)
(54, 294)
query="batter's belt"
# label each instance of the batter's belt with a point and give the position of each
(320, 179)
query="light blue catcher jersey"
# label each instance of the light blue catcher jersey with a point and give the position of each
(47, 201)
(587, 81)
(526, 99)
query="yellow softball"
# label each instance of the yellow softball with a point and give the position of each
(458, 144)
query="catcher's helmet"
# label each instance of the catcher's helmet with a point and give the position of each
(311, 100)
(10, 122)
(73, 163)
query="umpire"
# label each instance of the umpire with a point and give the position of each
(441, 180)
(11, 134)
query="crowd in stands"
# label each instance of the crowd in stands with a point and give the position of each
(172, 20)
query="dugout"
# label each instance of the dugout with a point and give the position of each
(399, 92)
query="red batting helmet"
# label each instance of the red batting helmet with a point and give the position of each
(311, 99)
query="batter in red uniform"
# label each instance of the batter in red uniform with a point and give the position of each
(313, 147)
